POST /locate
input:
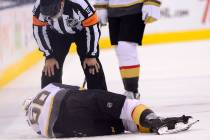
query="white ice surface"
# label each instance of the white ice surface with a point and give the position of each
(175, 80)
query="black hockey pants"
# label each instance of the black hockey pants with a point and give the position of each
(90, 113)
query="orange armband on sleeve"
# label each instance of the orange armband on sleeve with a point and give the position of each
(38, 22)
(93, 19)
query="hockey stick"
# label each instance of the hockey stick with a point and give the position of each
(84, 83)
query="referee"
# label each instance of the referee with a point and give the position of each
(59, 23)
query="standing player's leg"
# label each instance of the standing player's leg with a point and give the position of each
(60, 45)
(129, 67)
(126, 33)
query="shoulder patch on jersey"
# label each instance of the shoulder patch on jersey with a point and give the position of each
(88, 10)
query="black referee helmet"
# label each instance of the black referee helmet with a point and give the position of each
(50, 7)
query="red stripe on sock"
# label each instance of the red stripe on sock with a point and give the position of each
(129, 67)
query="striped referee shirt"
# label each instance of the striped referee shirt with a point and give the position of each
(77, 15)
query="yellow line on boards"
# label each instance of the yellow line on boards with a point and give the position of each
(14, 70)
(171, 37)
(168, 37)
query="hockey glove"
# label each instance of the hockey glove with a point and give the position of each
(102, 14)
(151, 11)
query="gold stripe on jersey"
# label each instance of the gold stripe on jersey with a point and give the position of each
(48, 119)
(152, 3)
(136, 114)
(101, 6)
(130, 72)
(125, 5)
(149, 20)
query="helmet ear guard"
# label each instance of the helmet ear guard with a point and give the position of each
(50, 8)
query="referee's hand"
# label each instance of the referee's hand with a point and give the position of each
(49, 67)
(92, 65)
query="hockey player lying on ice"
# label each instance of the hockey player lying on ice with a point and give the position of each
(66, 111)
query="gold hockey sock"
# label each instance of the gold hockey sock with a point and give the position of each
(130, 77)
(139, 115)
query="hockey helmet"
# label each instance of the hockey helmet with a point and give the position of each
(50, 8)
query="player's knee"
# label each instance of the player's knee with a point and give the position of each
(127, 53)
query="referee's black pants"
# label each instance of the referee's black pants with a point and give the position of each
(61, 45)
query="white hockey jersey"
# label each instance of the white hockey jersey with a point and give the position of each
(118, 3)
(43, 111)
(118, 8)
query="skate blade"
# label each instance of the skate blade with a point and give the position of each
(179, 127)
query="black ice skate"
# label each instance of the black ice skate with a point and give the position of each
(170, 125)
